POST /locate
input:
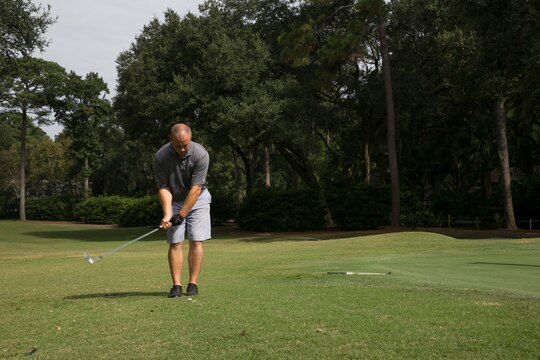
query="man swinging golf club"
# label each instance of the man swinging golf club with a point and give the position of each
(180, 169)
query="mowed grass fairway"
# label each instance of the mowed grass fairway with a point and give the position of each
(268, 296)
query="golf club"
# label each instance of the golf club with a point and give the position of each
(357, 273)
(93, 259)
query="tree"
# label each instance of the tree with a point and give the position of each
(82, 110)
(269, 93)
(390, 115)
(48, 164)
(333, 35)
(8, 164)
(23, 26)
(29, 89)
(498, 58)
(23, 80)
(474, 60)
(209, 71)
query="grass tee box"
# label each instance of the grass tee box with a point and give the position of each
(268, 296)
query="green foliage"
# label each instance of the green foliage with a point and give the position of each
(415, 213)
(23, 25)
(526, 196)
(8, 206)
(359, 206)
(450, 203)
(224, 207)
(249, 75)
(84, 111)
(48, 164)
(126, 166)
(8, 181)
(468, 205)
(103, 209)
(51, 208)
(7, 132)
(145, 211)
(290, 210)
(34, 85)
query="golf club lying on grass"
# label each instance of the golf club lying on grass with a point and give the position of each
(175, 220)
(93, 259)
(357, 273)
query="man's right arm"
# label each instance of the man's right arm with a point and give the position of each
(164, 193)
(165, 199)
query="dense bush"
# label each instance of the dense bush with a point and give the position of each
(526, 197)
(9, 207)
(359, 207)
(103, 209)
(145, 211)
(272, 210)
(415, 213)
(52, 208)
(223, 208)
(449, 203)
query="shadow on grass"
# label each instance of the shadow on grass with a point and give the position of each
(333, 234)
(218, 233)
(316, 235)
(263, 239)
(112, 234)
(115, 295)
(235, 233)
(473, 234)
(502, 264)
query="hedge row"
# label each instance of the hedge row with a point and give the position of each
(94, 210)
(120, 210)
(103, 209)
(359, 207)
(353, 207)
(272, 210)
(51, 208)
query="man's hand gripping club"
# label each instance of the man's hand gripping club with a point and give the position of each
(174, 221)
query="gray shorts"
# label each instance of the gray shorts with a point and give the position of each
(197, 224)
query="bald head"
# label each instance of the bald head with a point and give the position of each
(180, 138)
(180, 128)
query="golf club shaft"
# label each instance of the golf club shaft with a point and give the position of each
(110, 252)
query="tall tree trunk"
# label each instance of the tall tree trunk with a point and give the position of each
(298, 160)
(367, 162)
(391, 127)
(486, 182)
(86, 178)
(250, 162)
(22, 167)
(504, 164)
(238, 176)
(267, 167)
(254, 157)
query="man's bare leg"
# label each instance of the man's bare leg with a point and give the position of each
(176, 259)
(195, 257)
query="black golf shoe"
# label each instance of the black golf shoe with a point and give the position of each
(192, 290)
(176, 291)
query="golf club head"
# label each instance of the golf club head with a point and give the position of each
(91, 259)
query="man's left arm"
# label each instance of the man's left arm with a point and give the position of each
(190, 201)
(198, 183)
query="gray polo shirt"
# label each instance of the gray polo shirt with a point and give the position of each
(180, 174)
